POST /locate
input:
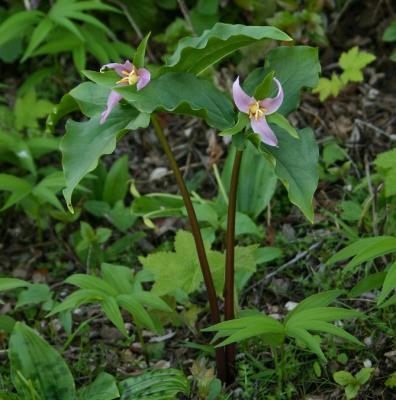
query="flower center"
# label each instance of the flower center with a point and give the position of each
(131, 77)
(256, 111)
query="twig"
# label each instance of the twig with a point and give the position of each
(134, 26)
(186, 15)
(298, 257)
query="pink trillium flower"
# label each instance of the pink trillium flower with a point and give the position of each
(130, 76)
(258, 109)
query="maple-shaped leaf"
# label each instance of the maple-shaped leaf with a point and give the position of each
(180, 269)
(328, 87)
(386, 165)
(28, 110)
(352, 62)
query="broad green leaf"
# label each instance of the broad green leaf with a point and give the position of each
(389, 284)
(99, 138)
(12, 283)
(113, 313)
(295, 67)
(197, 54)
(104, 387)
(163, 384)
(296, 165)
(34, 360)
(343, 378)
(65, 106)
(267, 254)
(256, 185)
(183, 93)
(116, 184)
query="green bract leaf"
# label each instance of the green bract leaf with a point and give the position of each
(197, 54)
(184, 94)
(32, 359)
(263, 90)
(296, 165)
(243, 120)
(138, 58)
(282, 122)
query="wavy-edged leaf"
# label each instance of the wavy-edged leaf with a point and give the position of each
(34, 360)
(85, 142)
(163, 384)
(183, 93)
(197, 54)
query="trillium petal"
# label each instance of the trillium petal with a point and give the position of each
(273, 104)
(241, 99)
(113, 99)
(263, 129)
(127, 66)
(144, 78)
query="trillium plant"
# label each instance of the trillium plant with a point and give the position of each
(124, 97)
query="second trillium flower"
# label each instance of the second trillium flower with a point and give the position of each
(130, 75)
(258, 109)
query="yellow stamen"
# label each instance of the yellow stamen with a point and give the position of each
(256, 111)
(131, 77)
